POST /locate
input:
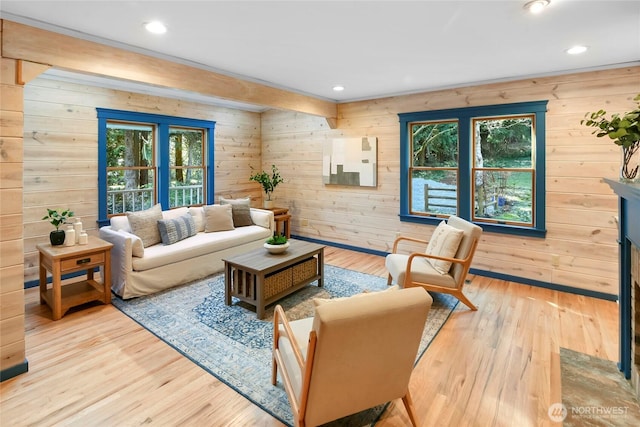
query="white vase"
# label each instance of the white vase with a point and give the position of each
(84, 238)
(77, 227)
(269, 204)
(69, 236)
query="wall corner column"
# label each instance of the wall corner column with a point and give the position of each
(14, 74)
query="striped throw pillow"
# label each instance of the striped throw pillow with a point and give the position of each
(176, 229)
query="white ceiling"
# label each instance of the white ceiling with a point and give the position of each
(373, 48)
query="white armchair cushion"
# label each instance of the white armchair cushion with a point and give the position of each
(444, 242)
(421, 271)
(300, 329)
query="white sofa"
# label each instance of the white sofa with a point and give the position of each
(137, 270)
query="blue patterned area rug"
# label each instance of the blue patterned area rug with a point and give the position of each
(194, 320)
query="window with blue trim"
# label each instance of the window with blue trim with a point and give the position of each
(484, 164)
(146, 159)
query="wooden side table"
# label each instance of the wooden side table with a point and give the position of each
(282, 216)
(61, 260)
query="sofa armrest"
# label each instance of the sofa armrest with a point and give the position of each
(121, 255)
(263, 218)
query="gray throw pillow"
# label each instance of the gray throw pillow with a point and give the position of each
(176, 229)
(240, 210)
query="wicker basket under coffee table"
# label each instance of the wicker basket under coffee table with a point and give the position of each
(260, 278)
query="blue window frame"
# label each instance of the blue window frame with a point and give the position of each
(485, 164)
(144, 159)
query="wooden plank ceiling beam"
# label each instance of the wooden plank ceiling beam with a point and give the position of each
(23, 42)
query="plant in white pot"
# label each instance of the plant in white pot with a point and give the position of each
(269, 183)
(624, 130)
(276, 244)
(56, 237)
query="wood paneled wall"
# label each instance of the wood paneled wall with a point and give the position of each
(580, 207)
(61, 151)
(12, 344)
(60, 164)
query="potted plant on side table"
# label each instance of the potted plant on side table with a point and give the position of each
(624, 130)
(56, 237)
(269, 183)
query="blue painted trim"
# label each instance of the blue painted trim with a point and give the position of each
(342, 246)
(464, 116)
(624, 266)
(405, 157)
(14, 371)
(162, 155)
(464, 167)
(546, 285)
(162, 147)
(210, 171)
(539, 182)
(102, 169)
(494, 275)
(36, 282)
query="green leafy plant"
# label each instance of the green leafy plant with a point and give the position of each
(623, 129)
(277, 239)
(57, 218)
(269, 182)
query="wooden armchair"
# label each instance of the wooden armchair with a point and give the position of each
(408, 270)
(355, 354)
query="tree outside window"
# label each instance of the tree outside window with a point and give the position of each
(186, 167)
(131, 180)
(146, 159)
(503, 172)
(484, 164)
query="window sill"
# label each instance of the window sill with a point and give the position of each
(487, 227)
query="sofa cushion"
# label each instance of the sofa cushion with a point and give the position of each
(197, 212)
(240, 210)
(444, 242)
(218, 218)
(144, 224)
(175, 212)
(176, 229)
(200, 244)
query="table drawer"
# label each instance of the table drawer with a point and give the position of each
(81, 262)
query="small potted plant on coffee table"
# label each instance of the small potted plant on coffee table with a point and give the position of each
(56, 237)
(276, 244)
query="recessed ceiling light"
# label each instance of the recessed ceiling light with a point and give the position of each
(155, 27)
(576, 50)
(338, 88)
(536, 6)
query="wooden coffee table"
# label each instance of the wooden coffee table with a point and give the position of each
(260, 278)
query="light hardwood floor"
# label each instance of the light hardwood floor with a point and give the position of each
(498, 366)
